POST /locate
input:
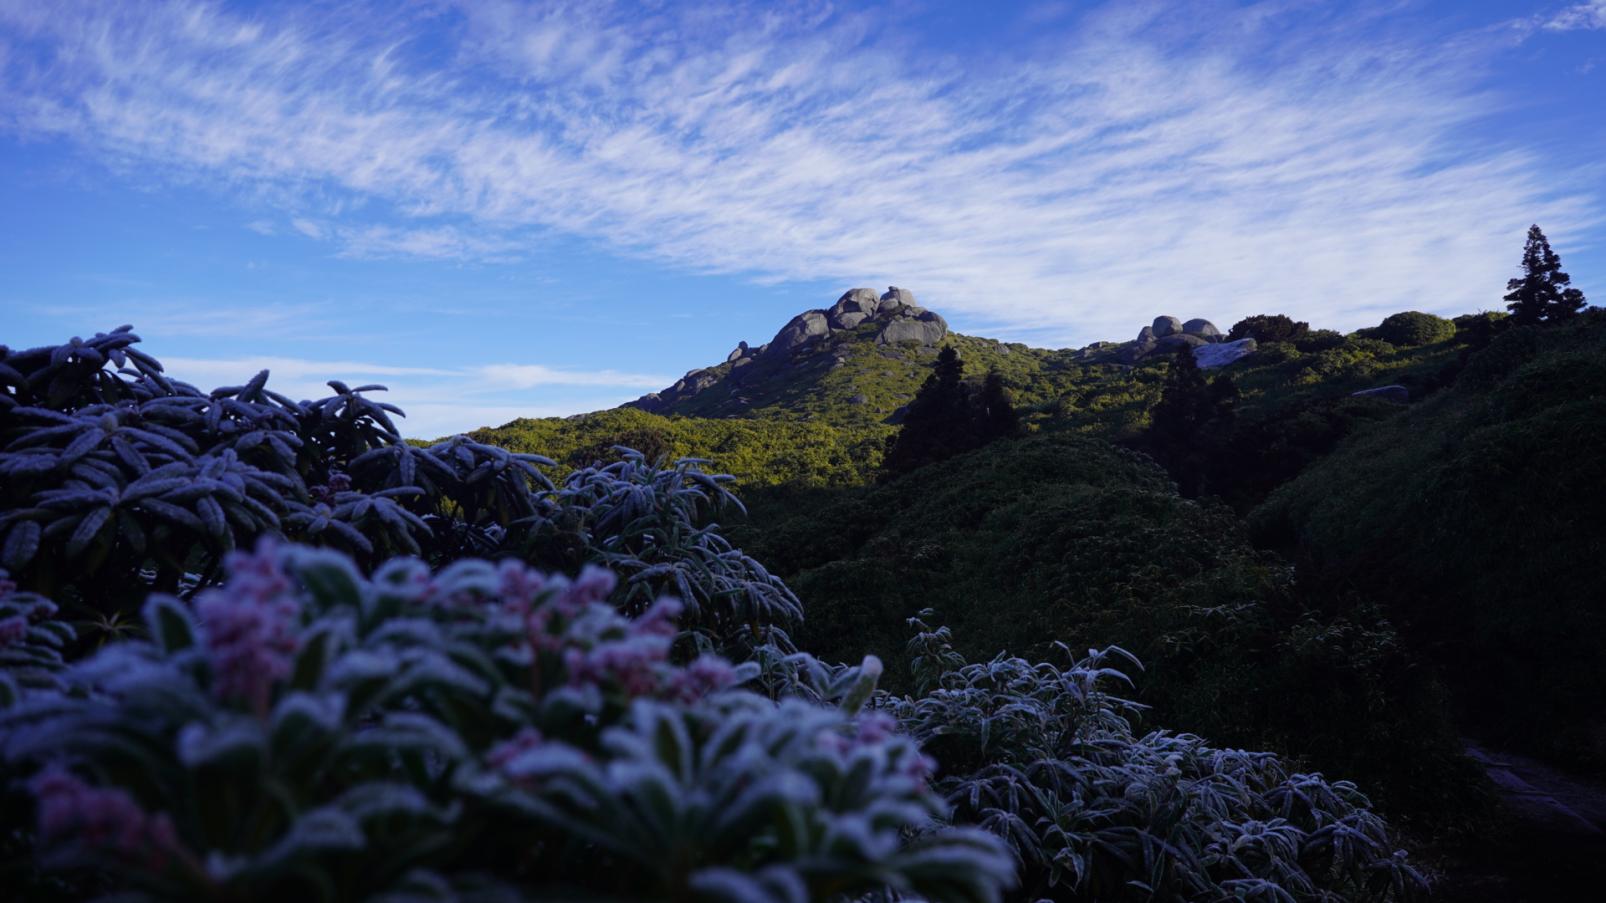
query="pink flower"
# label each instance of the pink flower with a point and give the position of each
(520, 584)
(259, 574)
(632, 664)
(102, 818)
(594, 584)
(659, 619)
(525, 740)
(251, 627)
(876, 727)
(708, 674)
(13, 629)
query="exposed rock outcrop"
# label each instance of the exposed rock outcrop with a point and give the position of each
(1223, 353)
(1170, 343)
(1164, 336)
(1394, 393)
(895, 314)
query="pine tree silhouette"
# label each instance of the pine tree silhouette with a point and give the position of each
(1541, 294)
(1185, 402)
(937, 424)
(995, 412)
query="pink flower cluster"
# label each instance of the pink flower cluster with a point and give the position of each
(708, 674)
(102, 818)
(13, 629)
(632, 663)
(525, 740)
(876, 729)
(251, 626)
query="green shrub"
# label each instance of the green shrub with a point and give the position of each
(1268, 328)
(1470, 521)
(1045, 756)
(1319, 340)
(1413, 328)
(1056, 538)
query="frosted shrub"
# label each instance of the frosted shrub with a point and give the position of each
(484, 731)
(1044, 756)
(652, 525)
(115, 479)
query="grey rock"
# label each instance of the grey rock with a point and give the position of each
(1202, 328)
(1388, 393)
(1221, 354)
(740, 351)
(806, 327)
(928, 329)
(858, 300)
(1171, 343)
(1132, 352)
(899, 296)
(1164, 326)
(846, 319)
(1146, 334)
(852, 308)
(859, 399)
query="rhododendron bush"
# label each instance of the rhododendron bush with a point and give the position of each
(254, 648)
(116, 479)
(305, 730)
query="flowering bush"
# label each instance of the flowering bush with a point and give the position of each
(117, 481)
(1045, 757)
(486, 728)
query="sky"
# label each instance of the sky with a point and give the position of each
(504, 209)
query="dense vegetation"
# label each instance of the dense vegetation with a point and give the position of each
(756, 452)
(396, 715)
(947, 417)
(1475, 519)
(1230, 647)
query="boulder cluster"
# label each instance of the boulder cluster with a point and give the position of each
(899, 317)
(895, 316)
(1166, 334)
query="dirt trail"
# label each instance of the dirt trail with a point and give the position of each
(1555, 848)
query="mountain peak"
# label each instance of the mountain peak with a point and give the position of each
(859, 316)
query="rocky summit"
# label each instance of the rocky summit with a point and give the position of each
(891, 318)
(1211, 347)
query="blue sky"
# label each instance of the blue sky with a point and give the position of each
(510, 209)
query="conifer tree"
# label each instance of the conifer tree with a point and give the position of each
(1185, 401)
(937, 424)
(1542, 294)
(995, 412)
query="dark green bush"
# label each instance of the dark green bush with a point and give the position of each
(1054, 538)
(1413, 328)
(1269, 328)
(1319, 340)
(1473, 521)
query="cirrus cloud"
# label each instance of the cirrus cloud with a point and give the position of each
(1147, 157)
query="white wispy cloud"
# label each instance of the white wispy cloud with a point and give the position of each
(1144, 162)
(185, 318)
(438, 401)
(527, 376)
(1590, 15)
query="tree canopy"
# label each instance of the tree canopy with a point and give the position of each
(1543, 293)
